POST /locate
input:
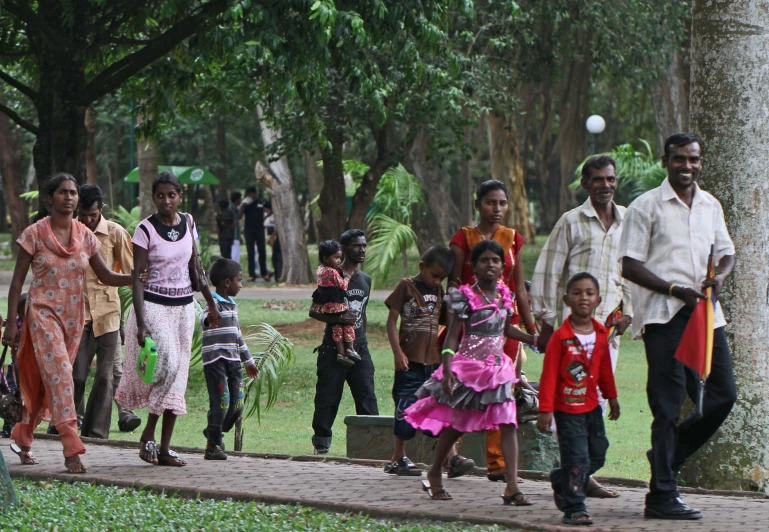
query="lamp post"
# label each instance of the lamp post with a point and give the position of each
(595, 125)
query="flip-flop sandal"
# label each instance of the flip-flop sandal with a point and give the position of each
(25, 456)
(436, 494)
(344, 361)
(350, 353)
(601, 492)
(500, 477)
(151, 448)
(577, 519)
(177, 462)
(460, 466)
(516, 499)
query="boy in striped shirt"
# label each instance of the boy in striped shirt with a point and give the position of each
(223, 351)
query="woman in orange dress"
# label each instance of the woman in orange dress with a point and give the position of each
(492, 205)
(59, 249)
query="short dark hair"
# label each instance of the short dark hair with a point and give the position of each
(681, 139)
(350, 235)
(439, 256)
(235, 196)
(582, 275)
(224, 203)
(56, 181)
(167, 178)
(597, 162)
(328, 248)
(250, 189)
(487, 186)
(222, 270)
(527, 284)
(90, 194)
(483, 246)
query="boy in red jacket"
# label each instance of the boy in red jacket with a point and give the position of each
(576, 363)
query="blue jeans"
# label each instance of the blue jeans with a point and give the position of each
(405, 386)
(224, 379)
(583, 445)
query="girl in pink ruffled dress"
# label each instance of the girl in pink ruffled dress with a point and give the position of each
(473, 389)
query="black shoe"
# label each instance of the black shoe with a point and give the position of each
(52, 430)
(460, 466)
(129, 423)
(344, 361)
(674, 510)
(214, 452)
(7, 429)
(320, 450)
(205, 433)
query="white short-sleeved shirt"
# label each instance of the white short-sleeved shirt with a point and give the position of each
(673, 242)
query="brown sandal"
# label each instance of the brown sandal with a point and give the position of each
(436, 494)
(170, 459)
(25, 456)
(516, 499)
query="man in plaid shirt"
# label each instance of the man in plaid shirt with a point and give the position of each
(585, 239)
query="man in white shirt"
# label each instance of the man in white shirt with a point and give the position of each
(665, 246)
(585, 239)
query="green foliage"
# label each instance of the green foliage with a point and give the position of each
(30, 196)
(637, 171)
(273, 354)
(389, 220)
(129, 220)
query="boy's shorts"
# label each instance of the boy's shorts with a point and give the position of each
(405, 387)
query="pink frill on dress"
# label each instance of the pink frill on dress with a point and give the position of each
(480, 365)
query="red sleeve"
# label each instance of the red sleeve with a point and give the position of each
(459, 240)
(606, 376)
(550, 368)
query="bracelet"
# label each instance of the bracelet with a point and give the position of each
(530, 328)
(670, 291)
(449, 351)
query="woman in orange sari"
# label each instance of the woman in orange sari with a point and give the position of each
(491, 204)
(59, 249)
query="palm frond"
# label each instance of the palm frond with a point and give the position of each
(637, 171)
(126, 296)
(387, 239)
(398, 193)
(273, 355)
(129, 220)
(196, 351)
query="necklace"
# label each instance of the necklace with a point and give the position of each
(484, 236)
(483, 294)
(577, 329)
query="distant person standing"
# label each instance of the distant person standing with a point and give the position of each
(236, 198)
(225, 226)
(252, 209)
(102, 332)
(274, 241)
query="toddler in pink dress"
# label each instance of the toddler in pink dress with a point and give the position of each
(330, 298)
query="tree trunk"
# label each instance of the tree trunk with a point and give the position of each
(91, 169)
(466, 198)
(209, 207)
(670, 98)
(387, 146)
(288, 215)
(333, 198)
(313, 188)
(147, 160)
(728, 103)
(10, 168)
(437, 222)
(506, 166)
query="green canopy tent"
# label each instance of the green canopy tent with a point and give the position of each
(188, 175)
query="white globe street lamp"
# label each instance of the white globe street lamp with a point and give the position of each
(595, 125)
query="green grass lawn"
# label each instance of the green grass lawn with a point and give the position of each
(81, 506)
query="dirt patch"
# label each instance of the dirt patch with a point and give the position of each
(275, 304)
(308, 327)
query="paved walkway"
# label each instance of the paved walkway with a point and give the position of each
(349, 485)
